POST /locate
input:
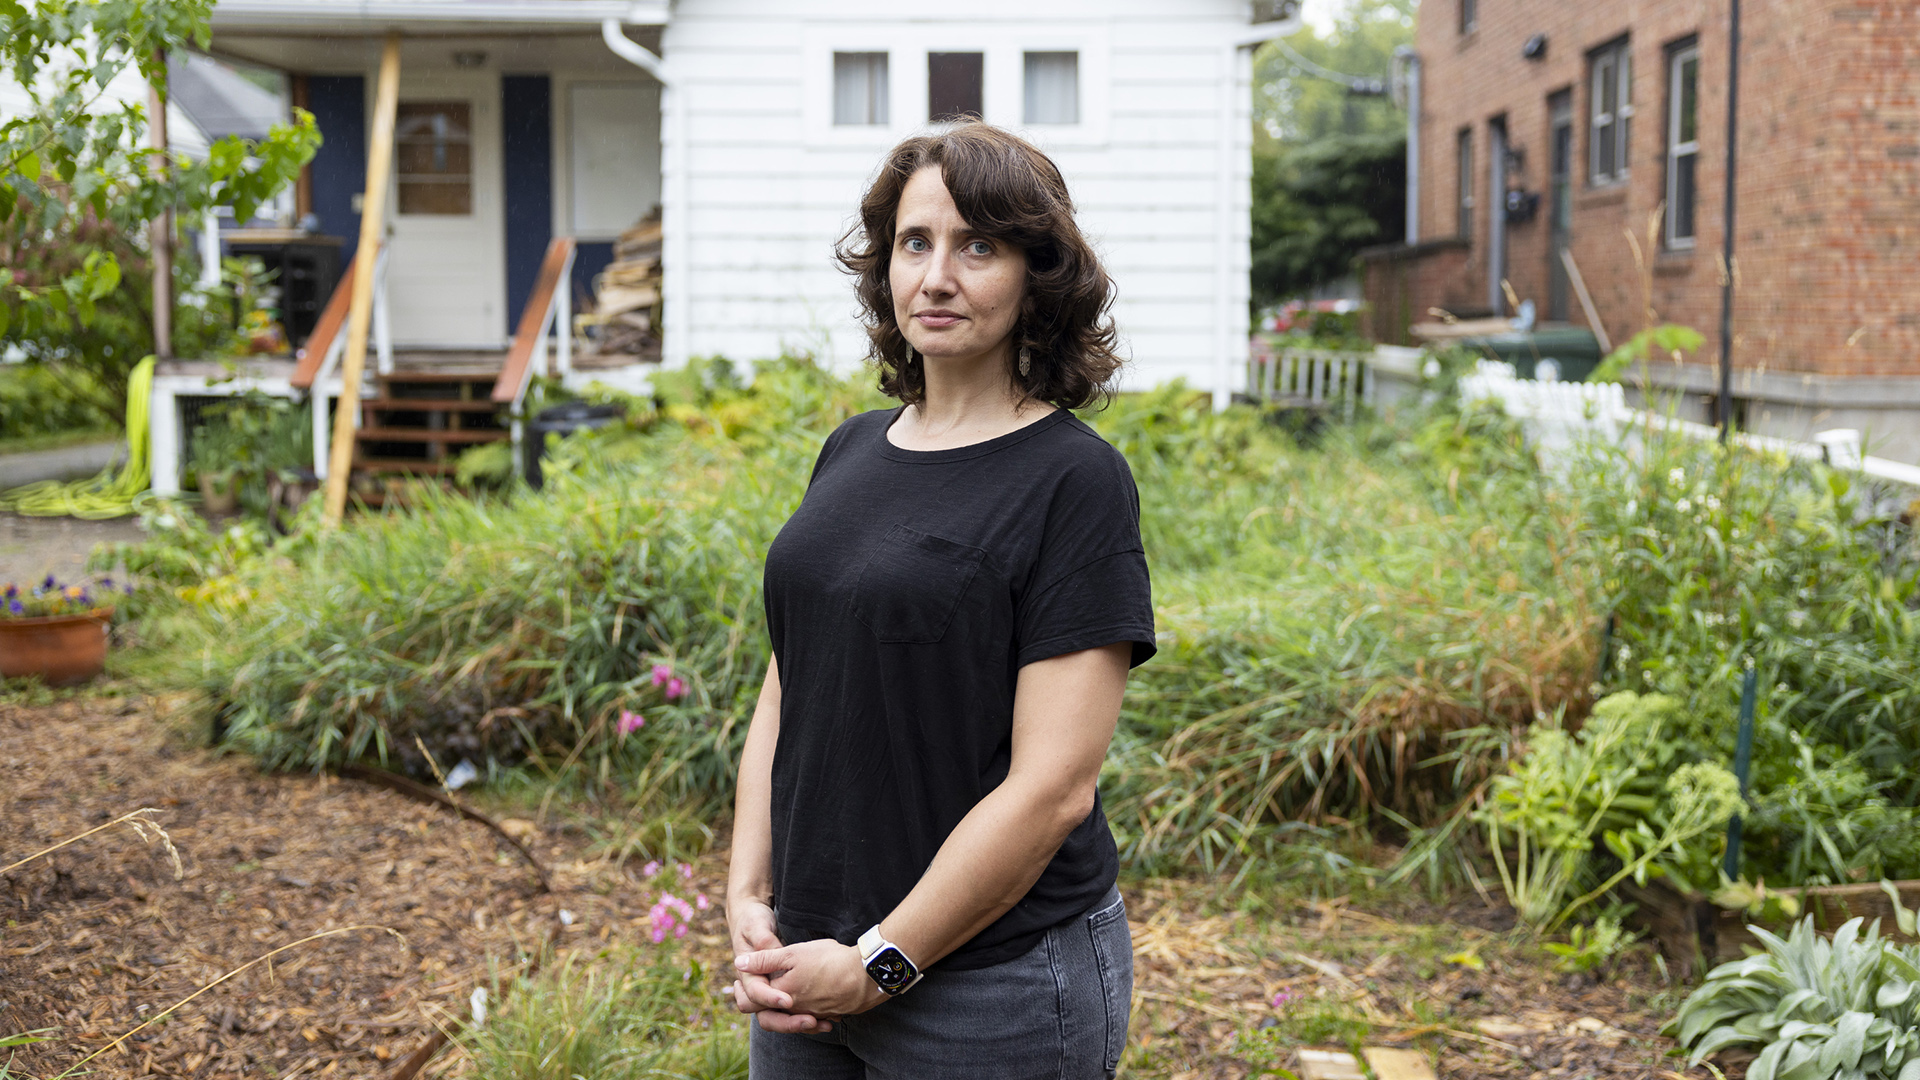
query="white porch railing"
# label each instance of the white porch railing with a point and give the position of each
(1310, 376)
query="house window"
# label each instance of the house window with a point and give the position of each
(1610, 93)
(433, 141)
(1683, 142)
(1053, 88)
(1469, 15)
(860, 89)
(955, 86)
(1463, 181)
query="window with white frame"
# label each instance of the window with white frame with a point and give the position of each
(1683, 141)
(1052, 88)
(859, 89)
(1610, 116)
(956, 86)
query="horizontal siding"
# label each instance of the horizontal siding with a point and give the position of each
(764, 204)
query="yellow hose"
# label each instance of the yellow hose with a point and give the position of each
(107, 495)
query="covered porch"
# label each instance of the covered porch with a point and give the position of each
(520, 235)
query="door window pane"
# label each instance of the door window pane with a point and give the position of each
(433, 148)
(860, 88)
(1053, 88)
(955, 86)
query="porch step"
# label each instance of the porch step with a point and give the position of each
(431, 435)
(428, 404)
(398, 466)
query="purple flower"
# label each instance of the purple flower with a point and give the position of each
(661, 673)
(128, 588)
(16, 607)
(12, 590)
(106, 583)
(675, 688)
(49, 584)
(630, 722)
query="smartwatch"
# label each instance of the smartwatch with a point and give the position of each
(887, 966)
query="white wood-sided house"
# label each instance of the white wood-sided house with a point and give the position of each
(529, 134)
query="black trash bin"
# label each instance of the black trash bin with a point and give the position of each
(560, 420)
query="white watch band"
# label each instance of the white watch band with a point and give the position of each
(873, 941)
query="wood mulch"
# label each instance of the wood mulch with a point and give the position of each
(100, 936)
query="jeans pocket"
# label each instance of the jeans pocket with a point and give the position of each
(911, 585)
(1113, 952)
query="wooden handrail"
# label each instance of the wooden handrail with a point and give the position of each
(533, 320)
(332, 319)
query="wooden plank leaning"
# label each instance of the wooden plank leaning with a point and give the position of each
(373, 219)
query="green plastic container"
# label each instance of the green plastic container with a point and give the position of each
(1575, 351)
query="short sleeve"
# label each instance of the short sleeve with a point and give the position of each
(1089, 586)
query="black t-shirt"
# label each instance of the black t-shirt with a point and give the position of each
(903, 597)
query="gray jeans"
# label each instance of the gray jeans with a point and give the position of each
(1059, 1012)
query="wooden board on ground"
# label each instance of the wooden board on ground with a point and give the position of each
(1392, 1063)
(1320, 1063)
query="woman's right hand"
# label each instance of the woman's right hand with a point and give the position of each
(752, 926)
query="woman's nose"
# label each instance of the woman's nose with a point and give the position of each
(940, 279)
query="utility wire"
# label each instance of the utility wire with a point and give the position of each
(1355, 84)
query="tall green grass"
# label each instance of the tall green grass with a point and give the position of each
(1358, 631)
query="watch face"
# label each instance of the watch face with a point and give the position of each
(891, 970)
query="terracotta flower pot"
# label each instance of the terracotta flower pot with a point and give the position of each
(65, 650)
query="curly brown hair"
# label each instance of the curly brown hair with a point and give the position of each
(1008, 189)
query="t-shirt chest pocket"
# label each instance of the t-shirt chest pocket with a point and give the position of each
(911, 585)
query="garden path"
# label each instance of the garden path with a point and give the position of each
(31, 547)
(101, 935)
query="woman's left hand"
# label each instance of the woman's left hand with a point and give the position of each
(824, 977)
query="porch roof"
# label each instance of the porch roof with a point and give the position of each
(438, 17)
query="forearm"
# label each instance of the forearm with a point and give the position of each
(985, 866)
(750, 869)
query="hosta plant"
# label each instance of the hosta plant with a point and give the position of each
(1846, 1009)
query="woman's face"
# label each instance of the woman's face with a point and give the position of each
(956, 293)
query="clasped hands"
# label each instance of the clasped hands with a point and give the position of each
(795, 989)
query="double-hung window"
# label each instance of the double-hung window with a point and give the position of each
(1052, 88)
(860, 89)
(1610, 116)
(1683, 142)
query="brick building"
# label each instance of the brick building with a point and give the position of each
(1592, 120)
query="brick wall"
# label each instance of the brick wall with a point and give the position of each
(1828, 245)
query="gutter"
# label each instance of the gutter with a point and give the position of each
(632, 51)
(675, 195)
(290, 14)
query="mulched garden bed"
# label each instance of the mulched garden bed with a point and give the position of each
(100, 935)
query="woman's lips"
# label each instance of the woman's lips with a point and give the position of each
(935, 319)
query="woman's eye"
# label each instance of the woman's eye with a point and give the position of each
(916, 244)
(979, 247)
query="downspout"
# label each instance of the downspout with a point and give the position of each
(1726, 250)
(1411, 60)
(674, 157)
(1230, 323)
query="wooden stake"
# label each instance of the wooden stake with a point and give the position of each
(373, 219)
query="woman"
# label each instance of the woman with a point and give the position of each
(922, 881)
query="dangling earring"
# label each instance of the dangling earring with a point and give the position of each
(1026, 362)
(910, 356)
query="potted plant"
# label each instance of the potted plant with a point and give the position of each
(57, 632)
(216, 456)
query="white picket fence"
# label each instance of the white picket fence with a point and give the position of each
(1558, 414)
(1315, 377)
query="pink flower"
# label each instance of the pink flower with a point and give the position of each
(686, 871)
(661, 673)
(702, 902)
(675, 688)
(1282, 998)
(631, 722)
(649, 870)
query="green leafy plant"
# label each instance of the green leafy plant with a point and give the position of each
(1845, 1009)
(79, 190)
(1617, 783)
(1589, 948)
(1665, 340)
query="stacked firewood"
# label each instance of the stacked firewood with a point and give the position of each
(626, 295)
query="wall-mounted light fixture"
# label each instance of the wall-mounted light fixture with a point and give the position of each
(1535, 48)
